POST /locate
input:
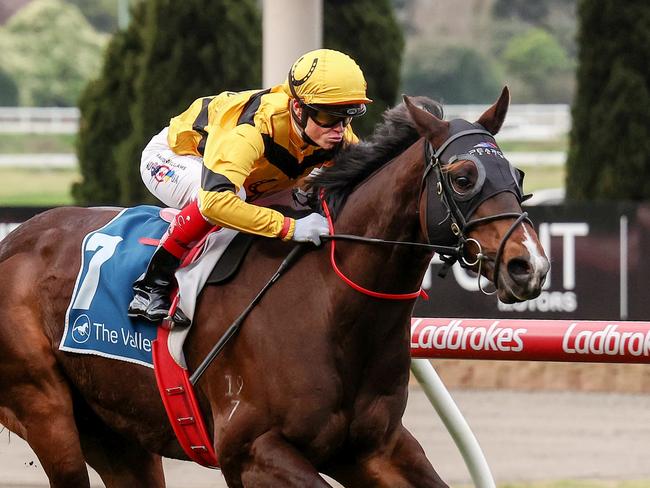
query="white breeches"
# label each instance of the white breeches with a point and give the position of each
(173, 179)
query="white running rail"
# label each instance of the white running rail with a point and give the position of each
(39, 120)
(454, 421)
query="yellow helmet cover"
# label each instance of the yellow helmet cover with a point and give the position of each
(328, 77)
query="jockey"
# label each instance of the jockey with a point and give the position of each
(227, 151)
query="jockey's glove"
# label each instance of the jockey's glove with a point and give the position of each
(310, 228)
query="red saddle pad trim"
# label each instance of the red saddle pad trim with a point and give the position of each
(182, 409)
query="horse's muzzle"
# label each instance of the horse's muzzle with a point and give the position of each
(523, 278)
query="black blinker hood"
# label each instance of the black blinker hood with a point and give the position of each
(442, 203)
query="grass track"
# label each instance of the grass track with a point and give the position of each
(37, 143)
(36, 187)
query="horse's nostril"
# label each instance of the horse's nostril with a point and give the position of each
(519, 270)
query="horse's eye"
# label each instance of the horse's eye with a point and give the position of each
(462, 183)
(463, 177)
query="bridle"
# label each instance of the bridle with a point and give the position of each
(440, 198)
(459, 222)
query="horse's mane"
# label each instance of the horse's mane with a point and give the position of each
(355, 162)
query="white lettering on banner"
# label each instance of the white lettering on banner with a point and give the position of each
(544, 236)
(555, 301)
(608, 341)
(454, 337)
(466, 279)
(547, 301)
(568, 231)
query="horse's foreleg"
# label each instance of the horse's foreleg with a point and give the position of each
(271, 462)
(400, 464)
(42, 415)
(120, 463)
(36, 400)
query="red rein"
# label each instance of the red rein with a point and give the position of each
(359, 288)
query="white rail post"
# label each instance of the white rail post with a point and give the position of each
(456, 424)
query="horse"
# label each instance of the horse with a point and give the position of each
(316, 380)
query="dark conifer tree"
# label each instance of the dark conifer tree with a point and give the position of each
(192, 49)
(368, 31)
(8, 90)
(609, 155)
(105, 121)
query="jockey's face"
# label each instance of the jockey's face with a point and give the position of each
(325, 137)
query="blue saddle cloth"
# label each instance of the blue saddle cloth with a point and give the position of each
(112, 258)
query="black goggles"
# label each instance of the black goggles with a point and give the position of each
(328, 116)
(327, 120)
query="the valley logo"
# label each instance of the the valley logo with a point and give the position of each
(81, 329)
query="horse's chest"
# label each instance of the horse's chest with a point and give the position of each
(323, 432)
(365, 423)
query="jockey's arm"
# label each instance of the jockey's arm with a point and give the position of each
(228, 160)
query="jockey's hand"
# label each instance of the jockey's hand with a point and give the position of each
(310, 228)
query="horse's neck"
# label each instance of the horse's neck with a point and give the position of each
(385, 206)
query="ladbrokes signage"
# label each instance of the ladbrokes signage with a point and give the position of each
(529, 339)
(600, 267)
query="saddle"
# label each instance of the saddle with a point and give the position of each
(230, 261)
(96, 321)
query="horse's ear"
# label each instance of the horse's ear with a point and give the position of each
(427, 124)
(492, 119)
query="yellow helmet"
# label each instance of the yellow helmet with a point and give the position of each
(324, 77)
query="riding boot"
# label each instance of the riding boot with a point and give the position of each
(151, 299)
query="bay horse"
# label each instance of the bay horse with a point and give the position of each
(316, 381)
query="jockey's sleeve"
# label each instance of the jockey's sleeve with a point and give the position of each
(228, 161)
(182, 137)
